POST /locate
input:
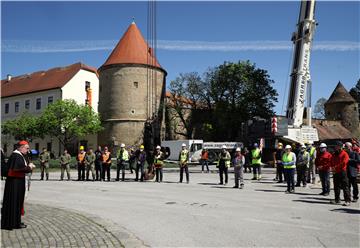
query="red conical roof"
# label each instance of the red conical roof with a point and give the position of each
(132, 49)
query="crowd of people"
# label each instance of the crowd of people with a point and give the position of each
(306, 161)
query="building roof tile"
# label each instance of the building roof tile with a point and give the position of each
(132, 49)
(340, 95)
(41, 80)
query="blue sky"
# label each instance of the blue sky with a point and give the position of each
(192, 37)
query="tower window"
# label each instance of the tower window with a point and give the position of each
(50, 99)
(136, 84)
(38, 103)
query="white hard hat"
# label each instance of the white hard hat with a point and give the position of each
(288, 147)
(323, 145)
(223, 147)
(238, 149)
(303, 146)
(122, 145)
(158, 147)
(183, 144)
(348, 144)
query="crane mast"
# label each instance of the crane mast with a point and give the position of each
(300, 74)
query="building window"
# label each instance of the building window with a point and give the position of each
(49, 146)
(50, 100)
(87, 85)
(6, 108)
(38, 103)
(17, 107)
(27, 104)
(136, 84)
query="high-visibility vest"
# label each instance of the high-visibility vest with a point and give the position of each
(81, 157)
(312, 151)
(255, 153)
(105, 157)
(183, 156)
(226, 160)
(286, 158)
(125, 155)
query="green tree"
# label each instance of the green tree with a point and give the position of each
(26, 127)
(67, 121)
(238, 92)
(319, 109)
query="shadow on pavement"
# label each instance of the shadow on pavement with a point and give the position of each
(314, 202)
(316, 198)
(302, 193)
(346, 210)
(269, 190)
(208, 183)
(221, 187)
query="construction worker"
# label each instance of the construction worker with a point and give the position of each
(311, 175)
(183, 163)
(132, 158)
(159, 163)
(238, 162)
(352, 170)
(339, 164)
(98, 163)
(247, 165)
(323, 164)
(224, 164)
(256, 162)
(81, 164)
(122, 162)
(44, 163)
(302, 165)
(90, 164)
(65, 160)
(277, 156)
(106, 164)
(204, 160)
(140, 163)
(289, 162)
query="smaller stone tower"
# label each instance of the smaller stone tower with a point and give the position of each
(341, 106)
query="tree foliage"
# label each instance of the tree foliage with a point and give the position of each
(67, 121)
(319, 109)
(63, 119)
(26, 127)
(230, 93)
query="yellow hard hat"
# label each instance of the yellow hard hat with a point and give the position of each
(81, 147)
(141, 147)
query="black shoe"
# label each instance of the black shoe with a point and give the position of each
(346, 204)
(292, 191)
(117, 179)
(241, 186)
(287, 192)
(334, 202)
(22, 225)
(297, 185)
(279, 182)
(355, 200)
(235, 187)
(220, 183)
(325, 194)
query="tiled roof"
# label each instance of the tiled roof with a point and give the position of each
(41, 80)
(132, 49)
(340, 95)
(331, 130)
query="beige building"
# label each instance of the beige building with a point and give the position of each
(132, 90)
(33, 92)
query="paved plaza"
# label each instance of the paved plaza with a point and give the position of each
(169, 214)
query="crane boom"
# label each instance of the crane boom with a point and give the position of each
(300, 74)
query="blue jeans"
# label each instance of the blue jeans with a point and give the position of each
(204, 162)
(325, 181)
(289, 177)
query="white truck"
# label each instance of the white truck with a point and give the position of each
(195, 148)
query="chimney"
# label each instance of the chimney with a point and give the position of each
(8, 77)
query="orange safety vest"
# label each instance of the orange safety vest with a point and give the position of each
(81, 157)
(105, 157)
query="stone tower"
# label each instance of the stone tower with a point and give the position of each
(131, 91)
(343, 107)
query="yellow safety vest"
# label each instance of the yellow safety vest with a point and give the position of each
(255, 153)
(125, 155)
(183, 156)
(312, 151)
(286, 158)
